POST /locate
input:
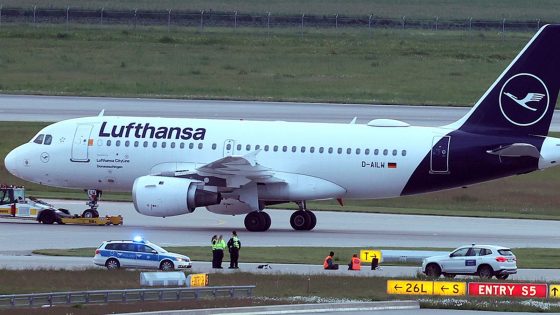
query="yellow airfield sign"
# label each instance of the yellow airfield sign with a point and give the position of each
(554, 291)
(450, 288)
(198, 280)
(366, 255)
(410, 287)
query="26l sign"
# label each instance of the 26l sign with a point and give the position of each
(526, 290)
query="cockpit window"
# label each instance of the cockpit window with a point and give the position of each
(48, 140)
(39, 139)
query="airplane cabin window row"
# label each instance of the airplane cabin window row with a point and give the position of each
(266, 148)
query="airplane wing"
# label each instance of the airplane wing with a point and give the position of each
(516, 150)
(235, 170)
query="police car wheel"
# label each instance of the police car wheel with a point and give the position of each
(433, 270)
(112, 264)
(485, 272)
(166, 265)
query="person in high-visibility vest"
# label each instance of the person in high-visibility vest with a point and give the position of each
(355, 263)
(220, 246)
(214, 241)
(234, 245)
(328, 263)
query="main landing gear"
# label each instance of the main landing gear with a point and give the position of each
(303, 219)
(257, 221)
(93, 195)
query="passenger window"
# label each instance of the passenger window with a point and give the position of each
(39, 139)
(394, 152)
(110, 246)
(330, 150)
(163, 144)
(385, 152)
(339, 151)
(366, 151)
(376, 152)
(248, 147)
(302, 149)
(239, 147)
(108, 143)
(321, 150)
(145, 144)
(191, 145)
(135, 144)
(348, 151)
(461, 252)
(200, 145)
(312, 149)
(275, 148)
(403, 152)
(284, 148)
(154, 144)
(294, 148)
(266, 148)
(182, 145)
(172, 145)
(358, 151)
(127, 143)
(214, 146)
(257, 147)
(118, 143)
(48, 140)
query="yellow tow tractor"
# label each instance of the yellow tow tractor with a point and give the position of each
(14, 205)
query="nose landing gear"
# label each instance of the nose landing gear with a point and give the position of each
(93, 196)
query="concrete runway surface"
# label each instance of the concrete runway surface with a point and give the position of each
(56, 108)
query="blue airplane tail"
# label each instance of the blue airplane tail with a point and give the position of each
(522, 100)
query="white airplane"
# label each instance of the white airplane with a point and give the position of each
(173, 166)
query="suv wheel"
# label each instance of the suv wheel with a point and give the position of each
(485, 272)
(433, 271)
(112, 264)
(166, 265)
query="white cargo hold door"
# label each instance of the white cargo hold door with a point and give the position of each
(80, 144)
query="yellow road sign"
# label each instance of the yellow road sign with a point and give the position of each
(199, 279)
(450, 288)
(410, 287)
(366, 255)
(554, 291)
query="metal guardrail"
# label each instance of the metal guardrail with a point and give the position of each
(128, 295)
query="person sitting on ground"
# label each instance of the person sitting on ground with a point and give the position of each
(329, 264)
(355, 263)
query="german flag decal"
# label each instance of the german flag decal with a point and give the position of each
(392, 165)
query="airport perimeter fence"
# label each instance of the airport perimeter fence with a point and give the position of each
(267, 21)
(123, 296)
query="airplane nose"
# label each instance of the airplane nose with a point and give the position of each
(10, 162)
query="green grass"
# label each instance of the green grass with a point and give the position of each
(509, 9)
(533, 258)
(270, 289)
(390, 67)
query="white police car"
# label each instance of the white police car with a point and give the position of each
(138, 254)
(485, 261)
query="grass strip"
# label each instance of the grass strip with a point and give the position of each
(530, 258)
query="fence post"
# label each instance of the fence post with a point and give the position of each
(403, 22)
(268, 24)
(503, 26)
(34, 10)
(201, 20)
(302, 16)
(168, 20)
(437, 19)
(135, 12)
(470, 24)
(369, 24)
(102, 9)
(336, 21)
(67, 14)
(235, 20)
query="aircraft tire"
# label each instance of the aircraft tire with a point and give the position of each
(90, 213)
(312, 221)
(255, 222)
(300, 220)
(267, 220)
(47, 217)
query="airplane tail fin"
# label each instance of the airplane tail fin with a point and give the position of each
(522, 100)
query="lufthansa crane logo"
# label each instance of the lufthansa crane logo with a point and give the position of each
(524, 99)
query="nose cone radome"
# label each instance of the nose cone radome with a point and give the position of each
(10, 162)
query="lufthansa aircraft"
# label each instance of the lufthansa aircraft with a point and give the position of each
(173, 166)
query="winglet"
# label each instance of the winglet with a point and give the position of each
(353, 122)
(101, 113)
(251, 157)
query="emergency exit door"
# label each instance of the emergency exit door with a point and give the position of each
(439, 162)
(80, 145)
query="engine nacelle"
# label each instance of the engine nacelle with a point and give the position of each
(160, 196)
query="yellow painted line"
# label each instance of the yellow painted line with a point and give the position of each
(554, 291)
(450, 288)
(410, 287)
(366, 255)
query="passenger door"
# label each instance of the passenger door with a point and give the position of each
(439, 160)
(126, 253)
(147, 257)
(81, 144)
(456, 261)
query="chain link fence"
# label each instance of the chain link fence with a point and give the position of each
(267, 20)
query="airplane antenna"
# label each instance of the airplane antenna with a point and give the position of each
(353, 120)
(101, 113)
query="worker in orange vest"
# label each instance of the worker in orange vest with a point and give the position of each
(329, 264)
(355, 263)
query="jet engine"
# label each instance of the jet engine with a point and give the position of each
(160, 196)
